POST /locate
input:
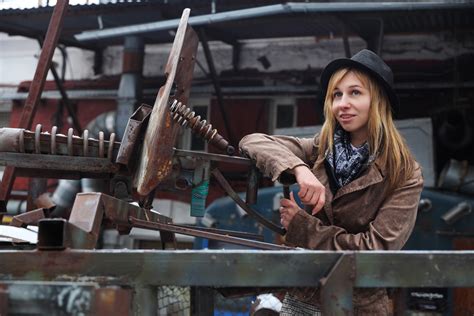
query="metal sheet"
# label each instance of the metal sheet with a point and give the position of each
(416, 269)
(58, 163)
(157, 152)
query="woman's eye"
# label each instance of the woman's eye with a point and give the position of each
(355, 92)
(337, 94)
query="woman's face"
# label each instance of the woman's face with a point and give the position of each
(350, 106)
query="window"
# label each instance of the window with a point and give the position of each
(283, 113)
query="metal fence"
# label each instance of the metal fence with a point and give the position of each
(130, 281)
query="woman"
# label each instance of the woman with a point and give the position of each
(358, 180)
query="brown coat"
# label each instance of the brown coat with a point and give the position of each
(360, 216)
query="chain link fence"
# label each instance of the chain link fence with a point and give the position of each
(176, 301)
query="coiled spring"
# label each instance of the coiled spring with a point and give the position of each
(71, 149)
(187, 118)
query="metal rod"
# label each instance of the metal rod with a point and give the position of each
(215, 81)
(66, 101)
(213, 157)
(229, 91)
(271, 10)
(345, 39)
(252, 186)
(197, 233)
(225, 232)
(234, 196)
(34, 95)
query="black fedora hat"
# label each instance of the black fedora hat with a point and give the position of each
(368, 62)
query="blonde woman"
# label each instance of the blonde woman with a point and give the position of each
(357, 179)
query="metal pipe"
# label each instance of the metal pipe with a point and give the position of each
(111, 94)
(271, 10)
(216, 84)
(130, 87)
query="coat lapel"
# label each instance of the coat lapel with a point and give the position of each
(321, 175)
(372, 176)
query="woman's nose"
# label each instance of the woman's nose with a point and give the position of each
(343, 101)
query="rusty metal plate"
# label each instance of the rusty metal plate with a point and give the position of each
(157, 151)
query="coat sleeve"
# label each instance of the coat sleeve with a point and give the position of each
(276, 154)
(389, 230)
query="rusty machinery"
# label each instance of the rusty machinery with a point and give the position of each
(145, 159)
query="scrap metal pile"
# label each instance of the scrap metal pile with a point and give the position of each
(145, 160)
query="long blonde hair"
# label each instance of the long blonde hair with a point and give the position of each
(384, 139)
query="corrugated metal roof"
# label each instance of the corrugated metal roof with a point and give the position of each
(80, 18)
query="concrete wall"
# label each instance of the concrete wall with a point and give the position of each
(18, 55)
(19, 58)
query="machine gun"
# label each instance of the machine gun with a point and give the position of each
(145, 159)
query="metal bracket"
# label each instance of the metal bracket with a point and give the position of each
(337, 287)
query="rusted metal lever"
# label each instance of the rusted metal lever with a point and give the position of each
(198, 233)
(234, 196)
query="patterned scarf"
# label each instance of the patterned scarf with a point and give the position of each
(347, 161)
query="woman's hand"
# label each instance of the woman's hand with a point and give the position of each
(288, 210)
(312, 192)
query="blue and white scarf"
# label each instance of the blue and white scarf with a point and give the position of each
(346, 160)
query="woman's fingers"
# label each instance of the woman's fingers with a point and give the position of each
(320, 204)
(292, 197)
(303, 191)
(309, 195)
(288, 210)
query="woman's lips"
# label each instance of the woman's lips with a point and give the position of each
(345, 118)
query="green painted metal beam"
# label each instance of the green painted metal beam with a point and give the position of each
(239, 267)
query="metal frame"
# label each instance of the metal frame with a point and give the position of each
(145, 269)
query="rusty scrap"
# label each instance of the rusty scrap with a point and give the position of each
(132, 133)
(150, 132)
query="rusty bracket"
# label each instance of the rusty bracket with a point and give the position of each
(337, 287)
(133, 132)
(87, 214)
(29, 218)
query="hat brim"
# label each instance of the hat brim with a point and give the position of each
(337, 64)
